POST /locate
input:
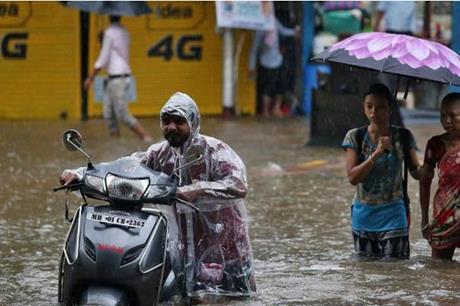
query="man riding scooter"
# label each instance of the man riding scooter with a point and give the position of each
(210, 250)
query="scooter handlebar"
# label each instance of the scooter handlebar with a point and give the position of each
(74, 186)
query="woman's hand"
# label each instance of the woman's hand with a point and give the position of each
(426, 229)
(383, 145)
(426, 177)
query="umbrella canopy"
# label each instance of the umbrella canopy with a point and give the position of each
(118, 8)
(398, 54)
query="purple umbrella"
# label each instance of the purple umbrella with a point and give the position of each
(398, 54)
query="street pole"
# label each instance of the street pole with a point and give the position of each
(228, 93)
(308, 70)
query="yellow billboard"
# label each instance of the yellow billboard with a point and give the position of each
(176, 48)
(39, 61)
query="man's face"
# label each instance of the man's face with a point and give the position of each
(175, 129)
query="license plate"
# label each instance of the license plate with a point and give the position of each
(116, 220)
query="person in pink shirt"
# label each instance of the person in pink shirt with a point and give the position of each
(114, 57)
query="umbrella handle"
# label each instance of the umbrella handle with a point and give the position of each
(407, 88)
(406, 91)
(395, 98)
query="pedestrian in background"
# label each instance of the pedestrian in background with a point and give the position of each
(266, 51)
(289, 50)
(114, 57)
(375, 156)
(399, 17)
(443, 153)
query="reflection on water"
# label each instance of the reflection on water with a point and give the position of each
(299, 203)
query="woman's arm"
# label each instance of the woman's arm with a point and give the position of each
(427, 173)
(415, 168)
(357, 172)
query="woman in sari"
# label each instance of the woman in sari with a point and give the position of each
(443, 153)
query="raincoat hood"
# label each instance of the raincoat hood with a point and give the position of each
(180, 104)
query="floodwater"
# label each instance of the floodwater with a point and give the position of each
(299, 206)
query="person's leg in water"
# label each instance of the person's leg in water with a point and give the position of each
(268, 84)
(266, 103)
(276, 110)
(278, 89)
(108, 113)
(122, 111)
(443, 254)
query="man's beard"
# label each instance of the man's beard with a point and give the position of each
(175, 139)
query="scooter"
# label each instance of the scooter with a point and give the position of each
(116, 254)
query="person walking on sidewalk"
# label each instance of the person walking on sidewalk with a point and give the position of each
(114, 57)
(265, 50)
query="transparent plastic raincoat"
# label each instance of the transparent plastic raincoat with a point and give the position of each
(210, 249)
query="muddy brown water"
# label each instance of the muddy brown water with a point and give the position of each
(299, 206)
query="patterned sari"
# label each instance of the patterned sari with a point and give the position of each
(445, 225)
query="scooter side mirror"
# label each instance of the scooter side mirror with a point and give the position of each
(72, 140)
(194, 154)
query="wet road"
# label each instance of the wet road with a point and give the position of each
(299, 203)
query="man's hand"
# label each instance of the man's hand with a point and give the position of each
(67, 178)
(88, 83)
(89, 80)
(188, 196)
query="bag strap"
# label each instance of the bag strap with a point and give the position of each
(361, 132)
(405, 142)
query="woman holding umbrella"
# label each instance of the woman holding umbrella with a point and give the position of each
(443, 152)
(375, 156)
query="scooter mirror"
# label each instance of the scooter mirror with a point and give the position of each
(194, 154)
(72, 140)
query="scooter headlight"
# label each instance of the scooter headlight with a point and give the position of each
(125, 188)
(95, 182)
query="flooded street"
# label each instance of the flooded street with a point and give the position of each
(299, 205)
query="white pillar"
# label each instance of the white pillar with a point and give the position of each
(228, 95)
